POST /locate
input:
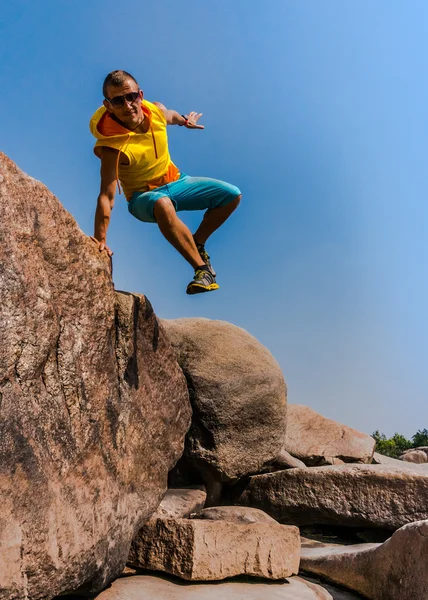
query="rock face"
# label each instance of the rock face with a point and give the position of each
(205, 550)
(316, 440)
(238, 396)
(353, 495)
(93, 406)
(394, 570)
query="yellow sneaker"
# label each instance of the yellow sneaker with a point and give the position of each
(203, 281)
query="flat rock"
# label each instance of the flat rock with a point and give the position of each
(238, 396)
(350, 495)
(150, 587)
(394, 570)
(382, 459)
(235, 514)
(316, 440)
(180, 503)
(204, 550)
(93, 405)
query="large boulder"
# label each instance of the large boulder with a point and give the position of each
(93, 406)
(211, 550)
(394, 570)
(316, 440)
(352, 495)
(415, 455)
(238, 396)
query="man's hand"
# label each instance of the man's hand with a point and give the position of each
(192, 120)
(102, 246)
(174, 118)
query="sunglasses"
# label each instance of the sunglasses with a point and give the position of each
(119, 101)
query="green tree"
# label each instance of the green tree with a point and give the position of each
(393, 446)
(420, 438)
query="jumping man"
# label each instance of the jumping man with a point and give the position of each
(132, 144)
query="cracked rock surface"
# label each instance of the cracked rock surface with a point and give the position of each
(383, 496)
(205, 550)
(93, 406)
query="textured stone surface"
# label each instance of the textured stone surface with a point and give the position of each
(180, 503)
(394, 570)
(203, 550)
(93, 407)
(238, 396)
(355, 495)
(316, 440)
(149, 587)
(235, 514)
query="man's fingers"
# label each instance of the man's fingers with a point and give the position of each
(193, 118)
(102, 246)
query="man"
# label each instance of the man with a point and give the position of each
(133, 147)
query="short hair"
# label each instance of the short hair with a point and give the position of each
(116, 78)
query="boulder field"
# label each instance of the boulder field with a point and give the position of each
(102, 404)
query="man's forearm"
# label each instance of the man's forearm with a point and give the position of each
(102, 218)
(174, 118)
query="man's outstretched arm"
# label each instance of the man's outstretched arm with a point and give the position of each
(105, 200)
(174, 118)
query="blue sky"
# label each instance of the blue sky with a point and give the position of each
(317, 110)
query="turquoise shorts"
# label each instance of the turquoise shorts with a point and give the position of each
(187, 193)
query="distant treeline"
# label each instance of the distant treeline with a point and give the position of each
(397, 444)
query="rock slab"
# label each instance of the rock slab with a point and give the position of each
(353, 495)
(149, 587)
(394, 570)
(93, 406)
(205, 550)
(316, 440)
(238, 396)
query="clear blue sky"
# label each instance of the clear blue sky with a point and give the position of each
(317, 110)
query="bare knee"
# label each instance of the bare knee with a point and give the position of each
(164, 211)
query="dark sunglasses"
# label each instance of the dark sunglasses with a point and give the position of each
(119, 101)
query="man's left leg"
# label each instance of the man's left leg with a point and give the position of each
(213, 218)
(218, 197)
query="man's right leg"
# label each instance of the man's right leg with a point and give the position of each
(179, 236)
(176, 232)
